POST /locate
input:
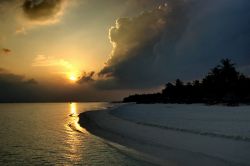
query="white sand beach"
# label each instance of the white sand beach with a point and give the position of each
(177, 134)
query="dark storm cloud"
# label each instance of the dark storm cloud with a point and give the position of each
(14, 87)
(42, 9)
(86, 77)
(5, 76)
(134, 40)
(140, 5)
(14, 79)
(182, 40)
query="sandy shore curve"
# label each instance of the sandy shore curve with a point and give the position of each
(166, 147)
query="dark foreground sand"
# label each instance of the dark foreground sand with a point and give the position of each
(166, 147)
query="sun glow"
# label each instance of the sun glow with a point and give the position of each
(73, 77)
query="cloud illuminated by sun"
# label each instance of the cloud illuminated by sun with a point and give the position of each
(46, 61)
(65, 68)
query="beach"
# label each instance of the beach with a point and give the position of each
(176, 134)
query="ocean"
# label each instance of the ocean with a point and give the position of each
(48, 134)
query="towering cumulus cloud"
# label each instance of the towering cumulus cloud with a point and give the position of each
(134, 44)
(181, 39)
(42, 10)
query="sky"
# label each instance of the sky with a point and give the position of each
(103, 50)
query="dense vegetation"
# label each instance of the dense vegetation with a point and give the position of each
(223, 84)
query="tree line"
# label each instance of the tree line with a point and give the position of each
(223, 84)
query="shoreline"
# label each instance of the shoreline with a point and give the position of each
(162, 146)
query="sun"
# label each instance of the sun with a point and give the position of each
(73, 77)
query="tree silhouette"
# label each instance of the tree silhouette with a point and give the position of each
(223, 84)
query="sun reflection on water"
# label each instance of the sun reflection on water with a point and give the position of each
(74, 118)
(74, 131)
(73, 109)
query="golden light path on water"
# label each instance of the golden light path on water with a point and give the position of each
(74, 131)
(82, 148)
(73, 109)
(74, 114)
(49, 134)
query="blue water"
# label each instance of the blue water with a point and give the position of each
(48, 134)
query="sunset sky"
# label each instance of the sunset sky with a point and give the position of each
(94, 50)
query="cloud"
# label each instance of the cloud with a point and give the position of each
(43, 11)
(6, 51)
(18, 16)
(20, 30)
(182, 39)
(141, 5)
(46, 61)
(132, 34)
(60, 67)
(15, 87)
(86, 77)
(8, 77)
(133, 41)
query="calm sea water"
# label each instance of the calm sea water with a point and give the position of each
(45, 134)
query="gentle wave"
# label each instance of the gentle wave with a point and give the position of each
(179, 129)
(234, 137)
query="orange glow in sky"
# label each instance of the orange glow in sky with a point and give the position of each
(73, 76)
